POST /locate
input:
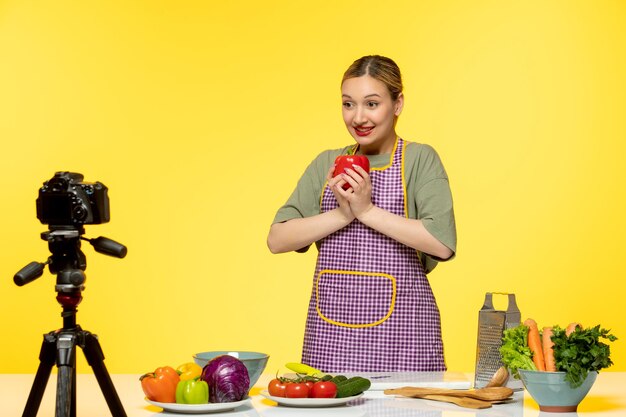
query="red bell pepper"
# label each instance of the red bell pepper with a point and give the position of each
(348, 161)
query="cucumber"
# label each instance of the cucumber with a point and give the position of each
(345, 380)
(352, 386)
(338, 378)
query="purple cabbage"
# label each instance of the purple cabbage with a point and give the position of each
(227, 378)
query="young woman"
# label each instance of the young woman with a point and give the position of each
(371, 307)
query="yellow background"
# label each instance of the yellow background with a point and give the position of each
(201, 116)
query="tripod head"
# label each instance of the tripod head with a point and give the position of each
(67, 260)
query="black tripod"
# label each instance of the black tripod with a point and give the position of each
(59, 347)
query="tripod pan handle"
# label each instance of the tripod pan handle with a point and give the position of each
(108, 247)
(29, 273)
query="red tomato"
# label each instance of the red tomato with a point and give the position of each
(277, 388)
(309, 385)
(324, 389)
(297, 390)
(346, 161)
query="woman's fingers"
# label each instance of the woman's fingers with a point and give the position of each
(355, 178)
(363, 173)
(340, 183)
(329, 174)
(350, 180)
(332, 181)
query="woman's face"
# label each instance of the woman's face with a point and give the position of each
(369, 113)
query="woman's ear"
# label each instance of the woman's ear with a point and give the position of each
(398, 105)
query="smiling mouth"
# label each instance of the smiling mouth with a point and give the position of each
(363, 130)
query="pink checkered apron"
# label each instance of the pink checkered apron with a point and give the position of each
(372, 308)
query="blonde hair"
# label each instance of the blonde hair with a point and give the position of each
(380, 68)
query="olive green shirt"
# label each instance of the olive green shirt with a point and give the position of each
(427, 191)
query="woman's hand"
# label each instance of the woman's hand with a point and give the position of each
(359, 196)
(358, 201)
(335, 185)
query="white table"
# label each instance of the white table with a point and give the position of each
(607, 398)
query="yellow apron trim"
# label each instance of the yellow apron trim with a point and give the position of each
(391, 155)
(406, 204)
(322, 193)
(393, 152)
(369, 274)
(404, 191)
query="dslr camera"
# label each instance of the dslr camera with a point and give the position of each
(65, 200)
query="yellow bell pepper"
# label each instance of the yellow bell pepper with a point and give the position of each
(189, 371)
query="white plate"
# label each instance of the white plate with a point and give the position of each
(309, 402)
(199, 408)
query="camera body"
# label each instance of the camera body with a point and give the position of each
(65, 200)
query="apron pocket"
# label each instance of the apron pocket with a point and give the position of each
(353, 298)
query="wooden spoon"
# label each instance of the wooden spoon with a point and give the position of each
(460, 401)
(484, 394)
(499, 378)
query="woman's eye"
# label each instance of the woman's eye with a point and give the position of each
(372, 104)
(347, 104)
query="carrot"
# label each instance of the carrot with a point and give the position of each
(548, 349)
(571, 327)
(534, 343)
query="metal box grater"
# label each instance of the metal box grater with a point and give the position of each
(491, 325)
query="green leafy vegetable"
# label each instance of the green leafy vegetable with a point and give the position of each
(581, 352)
(515, 351)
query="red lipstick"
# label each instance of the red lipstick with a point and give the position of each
(363, 131)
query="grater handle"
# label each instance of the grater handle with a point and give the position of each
(488, 305)
(512, 308)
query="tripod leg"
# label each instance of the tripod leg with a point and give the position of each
(95, 358)
(74, 383)
(47, 355)
(66, 383)
(64, 392)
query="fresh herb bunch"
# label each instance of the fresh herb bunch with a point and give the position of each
(581, 352)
